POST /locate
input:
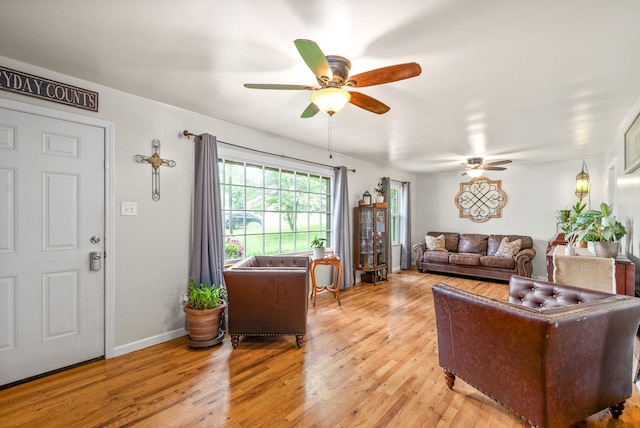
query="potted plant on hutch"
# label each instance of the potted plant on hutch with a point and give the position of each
(379, 191)
(600, 227)
(204, 311)
(318, 247)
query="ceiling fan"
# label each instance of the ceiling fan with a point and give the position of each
(476, 165)
(332, 74)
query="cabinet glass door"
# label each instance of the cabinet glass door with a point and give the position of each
(366, 238)
(381, 221)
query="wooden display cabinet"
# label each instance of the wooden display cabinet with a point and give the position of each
(371, 243)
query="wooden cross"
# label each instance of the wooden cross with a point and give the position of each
(156, 162)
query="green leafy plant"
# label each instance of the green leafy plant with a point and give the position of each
(574, 212)
(563, 215)
(317, 242)
(597, 226)
(205, 296)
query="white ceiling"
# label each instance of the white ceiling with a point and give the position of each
(528, 80)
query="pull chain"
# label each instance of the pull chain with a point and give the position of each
(330, 143)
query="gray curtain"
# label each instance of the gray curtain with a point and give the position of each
(386, 186)
(340, 228)
(405, 227)
(207, 254)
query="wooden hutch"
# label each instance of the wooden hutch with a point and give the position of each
(371, 242)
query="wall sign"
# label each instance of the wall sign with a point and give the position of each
(480, 199)
(39, 87)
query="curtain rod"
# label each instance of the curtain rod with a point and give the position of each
(189, 134)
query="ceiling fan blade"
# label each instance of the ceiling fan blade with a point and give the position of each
(493, 168)
(368, 103)
(310, 111)
(315, 59)
(276, 86)
(499, 162)
(388, 74)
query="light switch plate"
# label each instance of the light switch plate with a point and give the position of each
(128, 208)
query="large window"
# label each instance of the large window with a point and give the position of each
(272, 209)
(394, 213)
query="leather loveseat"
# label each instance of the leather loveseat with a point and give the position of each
(476, 255)
(553, 354)
(268, 296)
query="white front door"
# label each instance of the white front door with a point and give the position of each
(51, 217)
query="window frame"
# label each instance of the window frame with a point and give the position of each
(396, 188)
(271, 161)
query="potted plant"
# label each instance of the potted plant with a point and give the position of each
(567, 225)
(563, 215)
(204, 311)
(379, 191)
(318, 247)
(600, 227)
(233, 248)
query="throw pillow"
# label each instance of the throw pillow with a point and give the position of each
(509, 249)
(435, 243)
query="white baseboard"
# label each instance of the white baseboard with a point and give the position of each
(149, 341)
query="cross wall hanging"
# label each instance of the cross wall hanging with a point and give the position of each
(156, 162)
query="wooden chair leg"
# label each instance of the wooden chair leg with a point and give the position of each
(235, 339)
(450, 378)
(616, 410)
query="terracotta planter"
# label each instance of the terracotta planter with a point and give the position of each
(606, 249)
(204, 324)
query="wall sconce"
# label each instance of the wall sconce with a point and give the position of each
(331, 100)
(582, 182)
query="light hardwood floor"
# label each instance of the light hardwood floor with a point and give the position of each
(370, 363)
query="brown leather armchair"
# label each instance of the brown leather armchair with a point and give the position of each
(268, 296)
(553, 354)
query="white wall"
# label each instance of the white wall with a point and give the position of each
(152, 249)
(535, 192)
(627, 187)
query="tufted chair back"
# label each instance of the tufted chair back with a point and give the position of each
(553, 354)
(268, 296)
(541, 294)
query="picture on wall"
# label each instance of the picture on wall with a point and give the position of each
(632, 146)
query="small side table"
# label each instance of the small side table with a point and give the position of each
(336, 276)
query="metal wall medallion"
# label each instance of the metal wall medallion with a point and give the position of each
(480, 199)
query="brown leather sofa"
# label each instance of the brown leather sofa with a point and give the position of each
(268, 296)
(473, 254)
(553, 354)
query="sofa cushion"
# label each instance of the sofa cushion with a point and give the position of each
(468, 259)
(436, 256)
(450, 240)
(509, 249)
(473, 243)
(495, 240)
(497, 262)
(435, 243)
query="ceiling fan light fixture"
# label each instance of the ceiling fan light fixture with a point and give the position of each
(331, 100)
(474, 173)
